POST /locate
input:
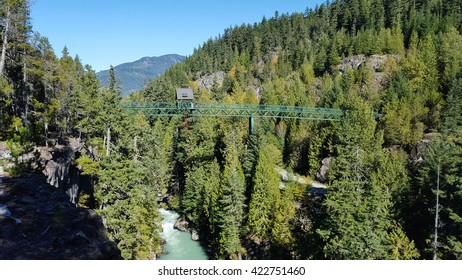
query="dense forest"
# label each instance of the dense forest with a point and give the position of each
(395, 178)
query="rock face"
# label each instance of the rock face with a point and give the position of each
(4, 152)
(195, 235)
(50, 227)
(321, 175)
(61, 171)
(376, 62)
(181, 224)
(208, 80)
(420, 148)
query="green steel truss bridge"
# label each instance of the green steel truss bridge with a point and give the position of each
(198, 109)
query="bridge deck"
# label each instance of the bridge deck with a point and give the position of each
(231, 110)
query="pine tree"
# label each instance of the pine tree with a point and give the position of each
(403, 112)
(356, 209)
(450, 54)
(114, 85)
(453, 112)
(129, 205)
(14, 15)
(88, 105)
(441, 186)
(282, 237)
(232, 202)
(265, 195)
(401, 247)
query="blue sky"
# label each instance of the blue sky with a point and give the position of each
(104, 32)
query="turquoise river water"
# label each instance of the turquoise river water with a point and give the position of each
(179, 245)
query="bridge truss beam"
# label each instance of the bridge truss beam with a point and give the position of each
(196, 109)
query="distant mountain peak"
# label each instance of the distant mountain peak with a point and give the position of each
(134, 75)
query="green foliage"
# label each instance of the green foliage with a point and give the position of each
(401, 247)
(451, 54)
(232, 201)
(379, 203)
(20, 145)
(200, 197)
(88, 165)
(128, 204)
(265, 195)
(452, 117)
(439, 177)
(403, 112)
(356, 207)
(282, 236)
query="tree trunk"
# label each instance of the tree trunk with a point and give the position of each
(135, 149)
(25, 95)
(46, 135)
(435, 241)
(108, 142)
(5, 41)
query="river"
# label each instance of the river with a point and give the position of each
(179, 245)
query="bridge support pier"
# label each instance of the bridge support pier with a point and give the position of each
(251, 124)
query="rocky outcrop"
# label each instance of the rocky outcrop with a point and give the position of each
(322, 173)
(418, 151)
(60, 170)
(5, 153)
(376, 62)
(420, 148)
(256, 248)
(207, 81)
(39, 223)
(58, 165)
(181, 224)
(195, 235)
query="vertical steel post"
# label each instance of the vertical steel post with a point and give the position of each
(251, 124)
(186, 122)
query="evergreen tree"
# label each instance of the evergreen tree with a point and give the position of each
(356, 209)
(14, 15)
(453, 111)
(380, 203)
(232, 202)
(128, 206)
(441, 185)
(200, 201)
(282, 237)
(88, 105)
(450, 54)
(114, 85)
(265, 195)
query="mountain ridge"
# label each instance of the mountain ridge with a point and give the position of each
(134, 75)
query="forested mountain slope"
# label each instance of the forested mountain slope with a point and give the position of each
(400, 59)
(133, 76)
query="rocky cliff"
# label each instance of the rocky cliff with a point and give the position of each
(39, 217)
(60, 170)
(38, 222)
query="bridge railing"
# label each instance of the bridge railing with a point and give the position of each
(264, 107)
(221, 109)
